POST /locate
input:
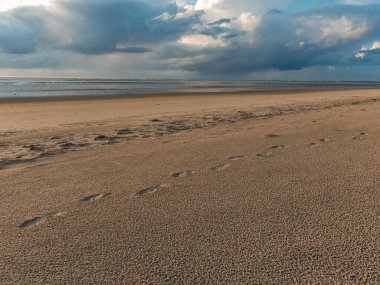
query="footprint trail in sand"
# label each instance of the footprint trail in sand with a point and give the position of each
(95, 197)
(265, 154)
(219, 167)
(39, 220)
(237, 157)
(187, 173)
(150, 190)
(314, 145)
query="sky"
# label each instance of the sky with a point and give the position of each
(191, 39)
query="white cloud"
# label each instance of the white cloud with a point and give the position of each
(189, 11)
(375, 45)
(360, 55)
(206, 4)
(198, 40)
(248, 21)
(12, 4)
(358, 2)
(327, 32)
(217, 9)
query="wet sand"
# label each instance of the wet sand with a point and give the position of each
(195, 189)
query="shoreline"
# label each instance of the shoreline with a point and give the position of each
(69, 98)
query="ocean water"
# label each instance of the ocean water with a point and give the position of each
(37, 87)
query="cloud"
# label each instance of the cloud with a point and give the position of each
(15, 36)
(197, 38)
(93, 27)
(216, 9)
(368, 54)
(294, 41)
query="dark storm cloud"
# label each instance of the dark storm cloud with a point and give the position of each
(15, 37)
(92, 27)
(221, 21)
(97, 28)
(286, 41)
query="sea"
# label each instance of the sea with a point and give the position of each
(50, 87)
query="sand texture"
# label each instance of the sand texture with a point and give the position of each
(192, 189)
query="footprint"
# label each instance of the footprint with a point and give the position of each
(36, 148)
(278, 146)
(54, 215)
(360, 136)
(265, 154)
(237, 157)
(187, 173)
(126, 131)
(357, 138)
(314, 145)
(101, 138)
(55, 138)
(83, 145)
(32, 222)
(219, 167)
(67, 145)
(155, 120)
(150, 190)
(39, 220)
(95, 197)
(272, 136)
(112, 140)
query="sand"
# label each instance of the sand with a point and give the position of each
(191, 189)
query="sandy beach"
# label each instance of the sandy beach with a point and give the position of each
(240, 188)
